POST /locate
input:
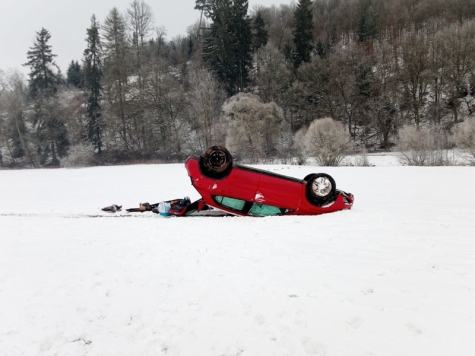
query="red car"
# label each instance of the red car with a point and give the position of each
(243, 190)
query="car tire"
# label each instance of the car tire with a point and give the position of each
(321, 188)
(216, 162)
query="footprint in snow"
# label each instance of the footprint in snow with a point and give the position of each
(355, 323)
(313, 347)
(415, 329)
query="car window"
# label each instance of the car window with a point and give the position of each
(231, 203)
(264, 210)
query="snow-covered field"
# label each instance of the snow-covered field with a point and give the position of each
(394, 276)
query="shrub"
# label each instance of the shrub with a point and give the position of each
(362, 160)
(327, 141)
(464, 136)
(81, 155)
(424, 147)
(253, 127)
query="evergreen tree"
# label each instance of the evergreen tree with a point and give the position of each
(218, 48)
(51, 132)
(43, 80)
(367, 26)
(74, 74)
(93, 85)
(227, 49)
(241, 27)
(303, 33)
(205, 6)
(260, 35)
(320, 49)
(116, 51)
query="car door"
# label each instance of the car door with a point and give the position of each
(284, 192)
(240, 183)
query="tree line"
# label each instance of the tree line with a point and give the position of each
(248, 79)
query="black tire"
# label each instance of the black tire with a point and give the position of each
(321, 188)
(217, 162)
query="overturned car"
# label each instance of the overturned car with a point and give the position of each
(242, 190)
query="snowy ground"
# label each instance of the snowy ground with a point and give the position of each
(394, 276)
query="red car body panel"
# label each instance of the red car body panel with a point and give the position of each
(262, 187)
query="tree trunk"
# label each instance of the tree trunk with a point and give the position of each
(24, 144)
(54, 161)
(122, 114)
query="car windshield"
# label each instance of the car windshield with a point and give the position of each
(253, 209)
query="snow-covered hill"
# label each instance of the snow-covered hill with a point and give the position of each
(393, 276)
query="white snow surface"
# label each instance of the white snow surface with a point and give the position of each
(394, 276)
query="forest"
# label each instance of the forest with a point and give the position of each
(268, 83)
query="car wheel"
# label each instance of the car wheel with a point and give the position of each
(321, 187)
(216, 162)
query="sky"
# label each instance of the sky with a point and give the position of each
(67, 21)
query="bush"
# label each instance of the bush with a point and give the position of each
(362, 160)
(464, 136)
(327, 141)
(424, 147)
(81, 155)
(254, 128)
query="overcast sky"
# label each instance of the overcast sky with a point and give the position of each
(67, 21)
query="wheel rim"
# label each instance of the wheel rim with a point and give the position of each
(216, 160)
(321, 187)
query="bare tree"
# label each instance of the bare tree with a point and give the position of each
(13, 108)
(140, 24)
(166, 105)
(457, 50)
(338, 85)
(205, 99)
(415, 73)
(465, 137)
(280, 22)
(140, 21)
(386, 103)
(272, 73)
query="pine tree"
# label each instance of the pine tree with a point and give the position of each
(206, 6)
(260, 35)
(51, 132)
(303, 33)
(241, 26)
(227, 49)
(43, 80)
(74, 74)
(218, 51)
(116, 50)
(93, 85)
(367, 26)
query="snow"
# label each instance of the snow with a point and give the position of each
(395, 275)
